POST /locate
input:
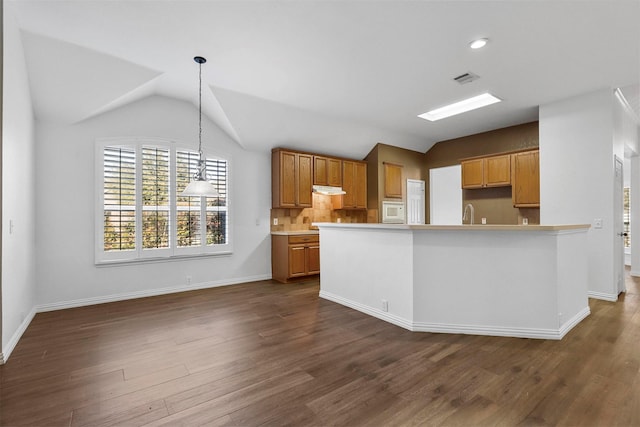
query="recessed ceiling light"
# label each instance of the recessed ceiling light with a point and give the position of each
(459, 107)
(477, 44)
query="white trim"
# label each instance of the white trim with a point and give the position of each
(17, 335)
(382, 315)
(626, 105)
(635, 273)
(148, 293)
(496, 331)
(569, 324)
(603, 296)
(160, 259)
(551, 334)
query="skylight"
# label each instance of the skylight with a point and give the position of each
(460, 107)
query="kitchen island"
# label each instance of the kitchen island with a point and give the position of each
(505, 280)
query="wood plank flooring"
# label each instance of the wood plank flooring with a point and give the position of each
(265, 353)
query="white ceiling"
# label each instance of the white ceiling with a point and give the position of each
(328, 76)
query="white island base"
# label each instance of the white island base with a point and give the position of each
(517, 281)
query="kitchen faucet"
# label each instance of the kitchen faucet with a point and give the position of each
(464, 215)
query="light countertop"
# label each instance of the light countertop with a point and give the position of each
(486, 227)
(295, 233)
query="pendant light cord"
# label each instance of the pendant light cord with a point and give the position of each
(200, 112)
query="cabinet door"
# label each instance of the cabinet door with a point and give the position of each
(313, 259)
(334, 172)
(360, 184)
(305, 180)
(526, 179)
(288, 173)
(320, 170)
(497, 171)
(348, 184)
(297, 261)
(392, 181)
(472, 173)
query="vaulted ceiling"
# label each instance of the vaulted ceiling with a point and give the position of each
(327, 76)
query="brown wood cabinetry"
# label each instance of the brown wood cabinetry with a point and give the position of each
(472, 173)
(327, 171)
(494, 171)
(392, 180)
(354, 183)
(526, 179)
(294, 256)
(291, 179)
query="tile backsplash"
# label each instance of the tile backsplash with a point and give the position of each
(321, 211)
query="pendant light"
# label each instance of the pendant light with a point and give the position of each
(199, 186)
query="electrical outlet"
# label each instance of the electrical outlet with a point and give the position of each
(484, 221)
(385, 305)
(597, 223)
(188, 280)
(275, 221)
(525, 221)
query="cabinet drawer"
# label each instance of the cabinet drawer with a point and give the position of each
(312, 238)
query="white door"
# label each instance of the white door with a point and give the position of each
(618, 226)
(415, 201)
(445, 195)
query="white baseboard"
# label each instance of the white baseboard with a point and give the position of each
(382, 315)
(603, 296)
(4, 355)
(549, 334)
(569, 324)
(16, 336)
(147, 293)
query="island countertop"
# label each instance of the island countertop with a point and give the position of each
(466, 227)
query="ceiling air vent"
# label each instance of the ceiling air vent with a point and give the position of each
(465, 78)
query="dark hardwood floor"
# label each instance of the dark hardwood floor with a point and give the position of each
(270, 354)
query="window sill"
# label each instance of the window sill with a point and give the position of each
(159, 259)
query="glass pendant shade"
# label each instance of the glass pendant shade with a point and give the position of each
(200, 187)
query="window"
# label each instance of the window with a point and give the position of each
(141, 214)
(626, 217)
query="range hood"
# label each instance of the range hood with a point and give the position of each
(327, 190)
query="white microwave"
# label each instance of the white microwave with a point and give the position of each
(393, 212)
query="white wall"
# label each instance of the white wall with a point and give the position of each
(577, 149)
(66, 273)
(18, 192)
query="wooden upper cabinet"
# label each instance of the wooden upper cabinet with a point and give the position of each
(348, 185)
(304, 178)
(392, 180)
(492, 171)
(327, 171)
(526, 179)
(334, 172)
(360, 185)
(354, 183)
(472, 173)
(497, 171)
(291, 179)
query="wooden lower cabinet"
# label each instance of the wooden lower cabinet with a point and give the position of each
(294, 256)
